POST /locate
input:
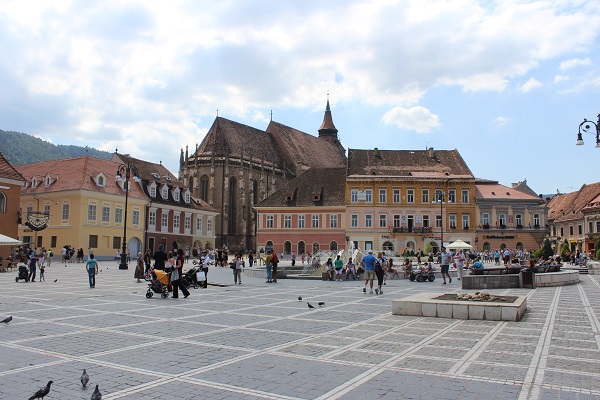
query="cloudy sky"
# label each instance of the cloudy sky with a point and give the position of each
(505, 82)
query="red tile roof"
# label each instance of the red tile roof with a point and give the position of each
(75, 173)
(488, 191)
(8, 171)
(568, 206)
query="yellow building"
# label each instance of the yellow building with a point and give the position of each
(392, 199)
(81, 204)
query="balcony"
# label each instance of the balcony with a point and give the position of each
(415, 229)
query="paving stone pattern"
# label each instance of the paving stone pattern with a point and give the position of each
(257, 341)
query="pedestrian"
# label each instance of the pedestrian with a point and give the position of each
(92, 268)
(303, 258)
(205, 264)
(339, 265)
(139, 268)
(275, 264)
(250, 259)
(237, 272)
(176, 275)
(293, 258)
(187, 255)
(460, 263)
(268, 260)
(446, 257)
(368, 262)
(42, 270)
(33, 264)
(159, 258)
(329, 269)
(379, 272)
(147, 260)
(49, 258)
(350, 269)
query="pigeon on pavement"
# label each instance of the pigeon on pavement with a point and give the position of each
(55, 280)
(7, 320)
(84, 378)
(310, 305)
(96, 395)
(299, 298)
(43, 392)
(321, 303)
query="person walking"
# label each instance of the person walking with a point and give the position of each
(268, 260)
(459, 259)
(275, 264)
(205, 264)
(139, 268)
(368, 262)
(237, 272)
(379, 272)
(176, 276)
(250, 259)
(33, 264)
(339, 266)
(159, 258)
(147, 261)
(92, 268)
(42, 270)
(446, 258)
(293, 258)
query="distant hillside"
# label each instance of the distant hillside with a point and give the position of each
(21, 148)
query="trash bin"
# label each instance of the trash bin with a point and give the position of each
(528, 279)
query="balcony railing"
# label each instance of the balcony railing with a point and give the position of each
(414, 229)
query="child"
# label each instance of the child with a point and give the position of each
(42, 270)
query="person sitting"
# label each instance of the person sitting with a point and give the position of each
(407, 268)
(391, 269)
(350, 269)
(477, 267)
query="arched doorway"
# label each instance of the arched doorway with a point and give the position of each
(487, 246)
(502, 246)
(410, 245)
(333, 246)
(432, 246)
(301, 247)
(315, 247)
(519, 246)
(134, 246)
(388, 246)
(287, 247)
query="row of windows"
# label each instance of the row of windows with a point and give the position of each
(187, 221)
(105, 217)
(315, 221)
(579, 229)
(164, 193)
(518, 219)
(398, 220)
(366, 196)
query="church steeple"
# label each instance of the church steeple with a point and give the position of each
(328, 131)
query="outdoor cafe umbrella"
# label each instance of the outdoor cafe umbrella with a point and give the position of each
(459, 244)
(8, 241)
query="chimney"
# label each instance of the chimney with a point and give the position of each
(430, 152)
(376, 152)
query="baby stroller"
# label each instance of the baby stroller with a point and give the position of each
(159, 285)
(23, 273)
(189, 277)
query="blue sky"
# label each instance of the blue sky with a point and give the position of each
(505, 82)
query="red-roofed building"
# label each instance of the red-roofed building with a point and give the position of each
(513, 218)
(10, 197)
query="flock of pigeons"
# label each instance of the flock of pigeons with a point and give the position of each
(321, 303)
(43, 392)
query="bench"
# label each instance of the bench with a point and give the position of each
(495, 271)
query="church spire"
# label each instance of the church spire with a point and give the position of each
(328, 131)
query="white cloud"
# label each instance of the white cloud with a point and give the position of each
(418, 119)
(500, 121)
(574, 62)
(561, 78)
(531, 84)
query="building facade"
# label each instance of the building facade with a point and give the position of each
(174, 218)
(591, 225)
(83, 204)
(10, 197)
(305, 215)
(510, 218)
(393, 199)
(237, 166)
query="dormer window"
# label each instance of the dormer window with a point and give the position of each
(100, 180)
(167, 177)
(156, 175)
(176, 194)
(25, 184)
(48, 181)
(187, 197)
(316, 197)
(34, 182)
(152, 189)
(164, 192)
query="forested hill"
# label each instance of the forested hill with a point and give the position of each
(21, 148)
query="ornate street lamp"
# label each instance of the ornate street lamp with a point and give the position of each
(586, 126)
(126, 169)
(440, 198)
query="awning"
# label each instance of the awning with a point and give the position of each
(8, 241)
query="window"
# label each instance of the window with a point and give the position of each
(425, 196)
(452, 219)
(382, 220)
(438, 221)
(301, 221)
(270, 221)
(465, 221)
(187, 222)
(562, 233)
(397, 220)
(91, 212)
(152, 190)
(590, 227)
(410, 195)
(368, 221)
(199, 224)
(176, 195)
(315, 221)
(164, 192)
(287, 221)
(116, 242)
(465, 196)
(176, 221)
(451, 196)
(536, 219)
(519, 219)
(439, 196)
(502, 219)
(2, 202)
(47, 209)
(29, 210)
(135, 217)
(333, 221)
(209, 226)
(354, 221)
(571, 230)
(152, 218)
(597, 226)
(93, 241)
(164, 220)
(383, 195)
(204, 188)
(396, 196)
(53, 240)
(65, 211)
(100, 181)
(188, 197)
(105, 214)
(485, 219)
(579, 229)
(368, 245)
(118, 215)
(368, 195)
(425, 221)
(354, 196)
(40, 241)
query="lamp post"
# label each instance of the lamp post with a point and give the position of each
(586, 126)
(440, 199)
(126, 169)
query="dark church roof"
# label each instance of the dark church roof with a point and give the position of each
(405, 163)
(8, 171)
(314, 187)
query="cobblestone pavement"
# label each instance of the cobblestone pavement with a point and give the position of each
(257, 341)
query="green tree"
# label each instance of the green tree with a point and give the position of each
(547, 251)
(564, 249)
(597, 248)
